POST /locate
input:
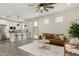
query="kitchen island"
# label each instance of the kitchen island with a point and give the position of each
(16, 36)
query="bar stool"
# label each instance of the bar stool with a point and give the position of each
(22, 36)
(16, 37)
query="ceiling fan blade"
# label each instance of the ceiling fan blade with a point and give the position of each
(45, 9)
(49, 7)
(50, 3)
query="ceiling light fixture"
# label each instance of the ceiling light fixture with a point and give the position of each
(68, 4)
(10, 12)
(25, 23)
(44, 6)
(18, 19)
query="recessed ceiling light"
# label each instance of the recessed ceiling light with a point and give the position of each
(68, 4)
(10, 12)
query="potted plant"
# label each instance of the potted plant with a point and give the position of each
(74, 29)
(74, 32)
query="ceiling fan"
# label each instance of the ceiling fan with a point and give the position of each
(44, 6)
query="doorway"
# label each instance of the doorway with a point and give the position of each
(2, 32)
(35, 29)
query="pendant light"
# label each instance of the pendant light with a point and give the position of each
(18, 19)
(25, 23)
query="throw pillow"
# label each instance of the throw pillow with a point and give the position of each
(74, 41)
(57, 37)
(61, 37)
(49, 36)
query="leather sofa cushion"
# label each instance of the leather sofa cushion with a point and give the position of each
(61, 42)
(50, 36)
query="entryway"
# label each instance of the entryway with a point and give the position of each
(2, 32)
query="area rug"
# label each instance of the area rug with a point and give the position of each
(34, 48)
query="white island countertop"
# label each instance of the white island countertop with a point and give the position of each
(19, 36)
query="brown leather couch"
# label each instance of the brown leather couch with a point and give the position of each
(54, 38)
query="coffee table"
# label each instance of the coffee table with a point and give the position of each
(43, 42)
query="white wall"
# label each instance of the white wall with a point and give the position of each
(57, 28)
(52, 27)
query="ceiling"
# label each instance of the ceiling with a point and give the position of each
(12, 10)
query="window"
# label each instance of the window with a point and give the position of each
(46, 21)
(59, 19)
(35, 24)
